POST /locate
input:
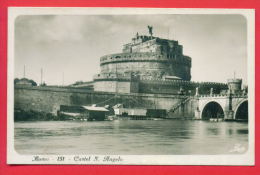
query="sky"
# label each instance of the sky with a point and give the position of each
(68, 47)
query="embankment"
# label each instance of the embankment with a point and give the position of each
(48, 100)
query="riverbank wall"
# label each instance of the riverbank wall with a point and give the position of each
(49, 99)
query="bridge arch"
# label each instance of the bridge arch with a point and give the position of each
(241, 111)
(212, 109)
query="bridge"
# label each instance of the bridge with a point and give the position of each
(228, 106)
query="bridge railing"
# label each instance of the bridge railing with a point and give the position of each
(213, 95)
(223, 95)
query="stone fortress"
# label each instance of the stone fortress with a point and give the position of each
(150, 64)
(152, 74)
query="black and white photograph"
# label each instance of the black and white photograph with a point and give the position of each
(130, 86)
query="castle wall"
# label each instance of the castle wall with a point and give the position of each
(116, 86)
(112, 86)
(134, 87)
(40, 99)
(148, 46)
(173, 87)
(143, 68)
(155, 86)
(49, 99)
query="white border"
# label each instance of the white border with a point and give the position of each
(247, 158)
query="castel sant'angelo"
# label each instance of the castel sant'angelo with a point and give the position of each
(150, 73)
(150, 64)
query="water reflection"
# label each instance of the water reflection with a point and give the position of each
(242, 131)
(229, 131)
(214, 131)
(130, 137)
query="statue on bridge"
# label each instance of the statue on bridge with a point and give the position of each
(211, 91)
(197, 91)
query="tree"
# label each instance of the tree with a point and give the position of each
(16, 80)
(33, 83)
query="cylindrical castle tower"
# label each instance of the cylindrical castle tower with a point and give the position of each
(148, 57)
(146, 65)
(144, 58)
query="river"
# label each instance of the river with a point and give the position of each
(131, 137)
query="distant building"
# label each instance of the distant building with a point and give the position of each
(95, 113)
(24, 82)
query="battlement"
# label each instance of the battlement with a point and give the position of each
(153, 85)
(129, 56)
(181, 82)
(158, 81)
(155, 45)
(141, 38)
(235, 85)
(114, 77)
(234, 80)
(144, 57)
(139, 84)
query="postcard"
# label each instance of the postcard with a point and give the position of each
(131, 86)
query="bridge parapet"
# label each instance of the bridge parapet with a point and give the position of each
(212, 96)
(222, 95)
